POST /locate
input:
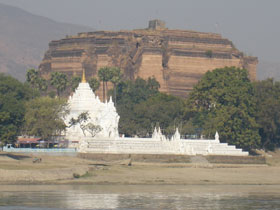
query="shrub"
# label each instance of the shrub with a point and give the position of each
(76, 176)
(209, 53)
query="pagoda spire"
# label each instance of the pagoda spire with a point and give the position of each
(84, 77)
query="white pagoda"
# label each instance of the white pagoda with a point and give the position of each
(102, 115)
(102, 136)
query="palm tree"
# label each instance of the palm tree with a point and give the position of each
(116, 79)
(32, 76)
(75, 82)
(59, 81)
(104, 75)
(42, 84)
(153, 84)
(36, 82)
(94, 84)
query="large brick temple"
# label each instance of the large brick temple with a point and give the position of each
(176, 58)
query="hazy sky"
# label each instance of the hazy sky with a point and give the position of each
(252, 25)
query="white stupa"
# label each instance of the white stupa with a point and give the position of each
(100, 114)
(105, 139)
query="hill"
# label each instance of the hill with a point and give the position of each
(24, 38)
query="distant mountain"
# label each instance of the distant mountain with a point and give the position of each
(24, 38)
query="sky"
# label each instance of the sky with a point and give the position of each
(252, 25)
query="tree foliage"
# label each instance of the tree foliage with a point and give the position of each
(13, 95)
(116, 78)
(35, 81)
(105, 74)
(44, 117)
(93, 129)
(94, 84)
(268, 115)
(141, 107)
(132, 92)
(75, 82)
(59, 81)
(82, 121)
(224, 101)
(160, 109)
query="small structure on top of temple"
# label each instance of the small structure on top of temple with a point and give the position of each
(156, 25)
(177, 135)
(92, 117)
(217, 137)
(158, 135)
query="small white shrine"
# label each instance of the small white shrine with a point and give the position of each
(98, 132)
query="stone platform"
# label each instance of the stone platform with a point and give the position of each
(158, 146)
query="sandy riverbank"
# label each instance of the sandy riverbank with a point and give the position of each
(62, 170)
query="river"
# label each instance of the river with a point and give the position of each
(50, 197)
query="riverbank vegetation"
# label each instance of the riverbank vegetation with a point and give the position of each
(244, 113)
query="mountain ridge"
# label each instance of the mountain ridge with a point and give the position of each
(24, 38)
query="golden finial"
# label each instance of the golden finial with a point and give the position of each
(84, 77)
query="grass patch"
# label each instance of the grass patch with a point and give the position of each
(86, 175)
(236, 159)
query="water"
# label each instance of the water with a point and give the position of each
(44, 197)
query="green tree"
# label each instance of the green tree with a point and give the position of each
(93, 129)
(141, 107)
(44, 117)
(94, 84)
(209, 53)
(268, 115)
(116, 78)
(75, 81)
(82, 121)
(32, 76)
(59, 81)
(13, 95)
(105, 74)
(136, 91)
(224, 101)
(160, 109)
(153, 84)
(36, 82)
(43, 85)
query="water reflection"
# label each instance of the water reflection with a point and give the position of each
(89, 200)
(139, 197)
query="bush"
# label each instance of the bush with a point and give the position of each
(209, 53)
(76, 176)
